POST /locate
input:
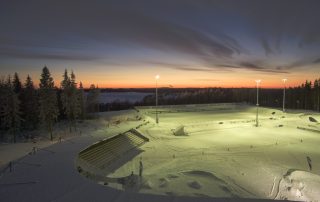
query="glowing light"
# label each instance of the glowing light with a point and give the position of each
(257, 114)
(157, 117)
(284, 95)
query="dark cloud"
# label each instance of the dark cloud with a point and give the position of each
(194, 69)
(122, 23)
(182, 67)
(208, 31)
(220, 67)
(253, 67)
(302, 63)
(286, 19)
(273, 22)
(316, 61)
(47, 56)
(266, 46)
(250, 65)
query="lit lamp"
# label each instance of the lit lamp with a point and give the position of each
(257, 115)
(157, 118)
(284, 94)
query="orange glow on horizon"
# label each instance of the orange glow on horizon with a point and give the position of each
(86, 84)
(179, 79)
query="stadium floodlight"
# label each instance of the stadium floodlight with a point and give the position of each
(157, 118)
(284, 94)
(257, 114)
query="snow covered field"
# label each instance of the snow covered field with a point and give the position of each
(223, 154)
(221, 157)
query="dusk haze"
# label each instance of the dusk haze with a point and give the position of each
(189, 43)
(159, 100)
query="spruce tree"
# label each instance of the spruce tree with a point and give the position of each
(48, 101)
(75, 105)
(69, 97)
(3, 105)
(65, 86)
(10, 109)
(81, 99)
(317, 93)
(30, 104)
(17, 86)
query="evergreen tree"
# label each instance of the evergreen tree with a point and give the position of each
(307, 94)
(17, 86)
(65, 86)
(10, 109)
(317, 93)
(65, 83)
(30, 104)
(48, 101)
(69, 96)
(81, 99)
(3, 105)
(74, 97)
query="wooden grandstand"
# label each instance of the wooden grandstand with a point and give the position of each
(104, 153)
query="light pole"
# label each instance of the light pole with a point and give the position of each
(257, 115)
(284, 94)
(157, 118)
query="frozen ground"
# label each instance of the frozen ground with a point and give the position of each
(223, 154)
(222, 157)
(9, 152)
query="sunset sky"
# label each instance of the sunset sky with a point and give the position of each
(199, 43)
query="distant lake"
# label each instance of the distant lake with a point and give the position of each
(108, 97)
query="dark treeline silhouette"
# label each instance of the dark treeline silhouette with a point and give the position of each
(23, 107)
(305, 96)
(117, 105)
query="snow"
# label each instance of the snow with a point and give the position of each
(11, 152)
(222, 142)
(299, 185)
(223, 156)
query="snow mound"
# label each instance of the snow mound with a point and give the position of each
(300, 186)
(204, 174)
(194, 185)
(179, 131)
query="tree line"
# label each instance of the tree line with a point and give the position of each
(23, 107)
(305, 96)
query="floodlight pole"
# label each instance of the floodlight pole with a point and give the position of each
(284, 94)
(157, 118)
(257, 114)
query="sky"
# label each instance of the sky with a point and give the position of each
(198, 43)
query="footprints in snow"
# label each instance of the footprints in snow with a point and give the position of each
(192, 180)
